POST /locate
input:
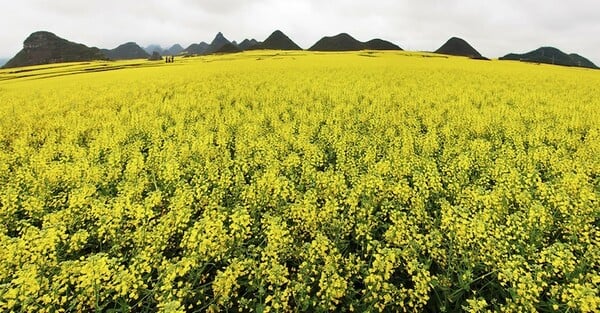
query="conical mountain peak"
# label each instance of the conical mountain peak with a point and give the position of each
(459, 47)
(219, 36)
(277, 41)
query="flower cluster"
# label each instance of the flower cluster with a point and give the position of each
(301, 182)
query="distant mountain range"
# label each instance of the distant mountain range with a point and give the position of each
(173, 50)
(3, 61)
(219, 44)
(345, 42)
(44, 47)
(550, 55)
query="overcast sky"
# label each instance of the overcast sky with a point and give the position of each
(494, 27)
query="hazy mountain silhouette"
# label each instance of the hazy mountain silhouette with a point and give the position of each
(174, 50)
(380, 44)
(126, 51)
(3, 61)
(340, 42)
(277, 41)
(247, 44)
(151, 48)
(551, 55)
(459, 47)
(44, 47)
(217, 44)
(197, 48)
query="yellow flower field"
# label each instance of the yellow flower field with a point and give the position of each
(300, 182)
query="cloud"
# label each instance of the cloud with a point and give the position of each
(494, 27)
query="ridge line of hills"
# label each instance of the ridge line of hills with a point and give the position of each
(345, 42)
(44, 47)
